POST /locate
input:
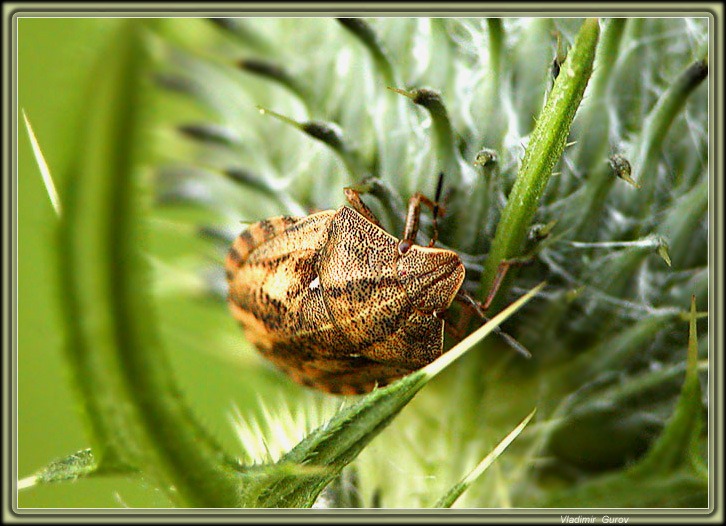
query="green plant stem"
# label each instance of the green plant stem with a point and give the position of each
(444, 142)
(607, 56)
(681, 221)
(246, 34)
(632, 76)
(121, 370)
(364, 32)
(654, 132)
(494, 121)
(528, 62)
(450, 164)
(81, 464)
(595, 141)
(544, 150)
(279, 75)
(496, 46)
(86, 280)
(330, 135)
(483, 194)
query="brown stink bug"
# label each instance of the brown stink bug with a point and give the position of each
(338, 303)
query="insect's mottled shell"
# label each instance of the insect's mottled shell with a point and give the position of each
(329, 299)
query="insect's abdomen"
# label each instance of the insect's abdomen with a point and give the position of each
(251, 238)
(268, 269)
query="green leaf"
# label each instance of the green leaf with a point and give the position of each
(78, 465)
(678, 443)
(335, 444)
(458, 489)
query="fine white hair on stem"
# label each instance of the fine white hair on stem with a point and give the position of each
(43, 166)
(27, 482)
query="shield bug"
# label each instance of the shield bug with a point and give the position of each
(338, 303)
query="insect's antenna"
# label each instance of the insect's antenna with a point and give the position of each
(511, 341)
(436, 209)
(437, 198)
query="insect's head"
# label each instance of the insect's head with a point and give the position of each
(431, 277)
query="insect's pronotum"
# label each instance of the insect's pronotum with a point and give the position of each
(338, 303)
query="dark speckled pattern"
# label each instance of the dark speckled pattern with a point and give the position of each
(330, 301)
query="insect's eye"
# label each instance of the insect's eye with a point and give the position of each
(404, 246)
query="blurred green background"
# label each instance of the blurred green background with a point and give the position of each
(56, 66)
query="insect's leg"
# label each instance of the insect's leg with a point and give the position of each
(456, 328)
(502, 270)
(414, 214)
(353, 197)
(471, 305)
